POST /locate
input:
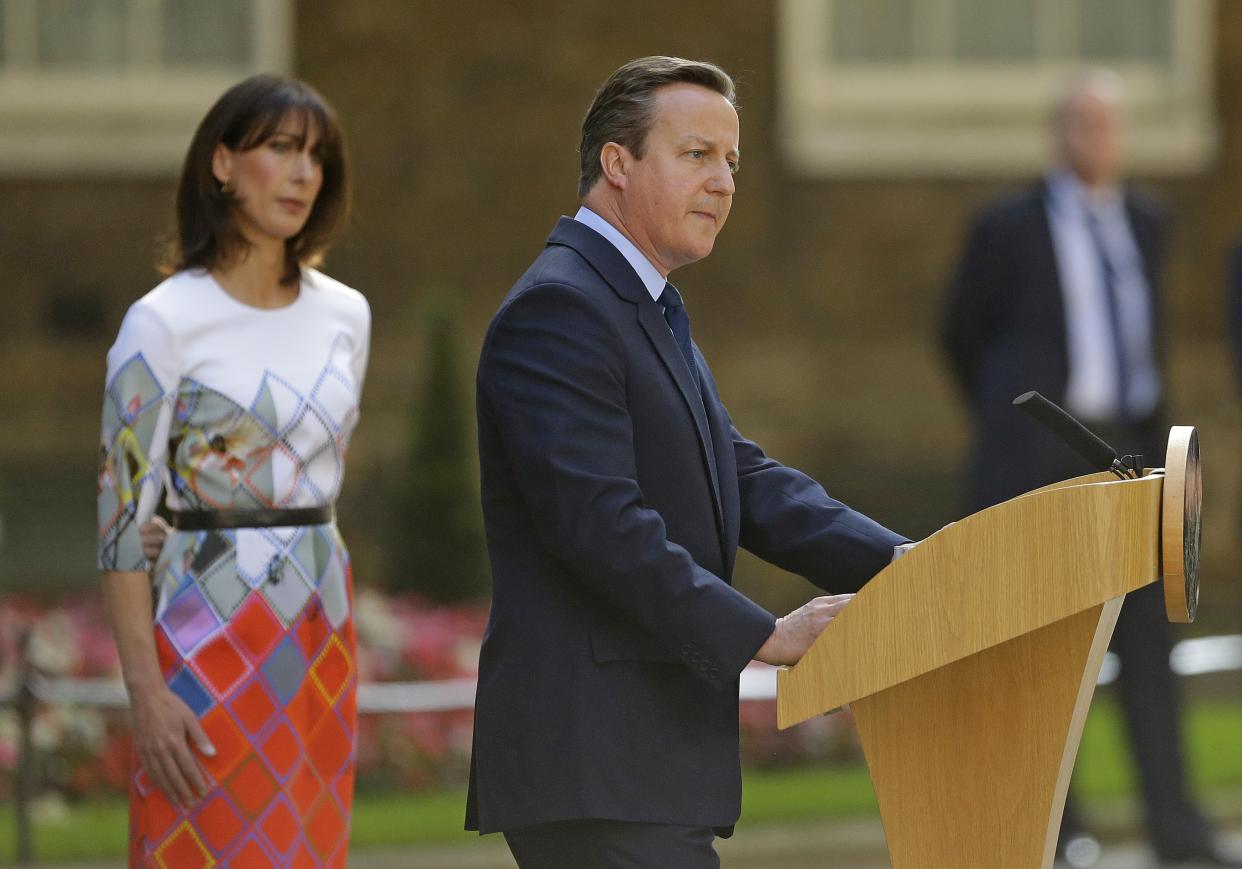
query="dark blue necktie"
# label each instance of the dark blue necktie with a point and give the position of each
(679, 323)
(1112, 298)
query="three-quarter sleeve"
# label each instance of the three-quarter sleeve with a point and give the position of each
(362, 348)
(143, 373)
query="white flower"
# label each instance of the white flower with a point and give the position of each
(466, 654)
(53, 647)
(46, 731)
(86, 726)
(377, 626)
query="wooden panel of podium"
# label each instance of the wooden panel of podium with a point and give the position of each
(969, 663)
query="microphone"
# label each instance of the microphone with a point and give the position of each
(1081, 439)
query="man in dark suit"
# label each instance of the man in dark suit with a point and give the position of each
(1057, 291)
(616, 491)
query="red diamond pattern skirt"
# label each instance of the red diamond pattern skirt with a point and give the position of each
(279, 704)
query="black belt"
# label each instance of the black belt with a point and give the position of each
(205, 520)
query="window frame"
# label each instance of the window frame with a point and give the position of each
(980, 118)
(136, 120)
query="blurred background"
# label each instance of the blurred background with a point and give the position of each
(871, 132)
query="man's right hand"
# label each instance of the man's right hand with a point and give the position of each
(795, 632)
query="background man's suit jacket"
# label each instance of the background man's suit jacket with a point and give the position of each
(1004, 332)
(1233, 303)
(614, 500)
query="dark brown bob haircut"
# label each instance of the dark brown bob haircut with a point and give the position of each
(622, 110)
(245, 117)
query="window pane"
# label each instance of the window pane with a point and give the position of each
(81, 33)
(871, 32)
(218, 33)
(995, 29)
(1125, 29)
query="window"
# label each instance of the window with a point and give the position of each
(919, 87)
(107, 86)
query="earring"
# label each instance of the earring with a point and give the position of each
(226, 187)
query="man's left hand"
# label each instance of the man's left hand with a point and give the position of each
(796, 632)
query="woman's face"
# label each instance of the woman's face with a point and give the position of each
(274, 183)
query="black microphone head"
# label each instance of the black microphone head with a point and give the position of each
(1076, 435)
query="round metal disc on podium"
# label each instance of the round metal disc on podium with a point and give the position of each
(1181, 532)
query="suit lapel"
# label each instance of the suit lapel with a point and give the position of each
(1146, 240)
(1047, 253)
(1146, 231)
(722, 439)
(620, 275)
(1047, 261)
(652, 321)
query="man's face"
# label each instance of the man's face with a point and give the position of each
(1091, 137)
(677, 197)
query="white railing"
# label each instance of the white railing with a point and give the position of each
(1193, 657)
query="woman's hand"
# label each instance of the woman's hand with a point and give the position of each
(153, 534)
(164, 729)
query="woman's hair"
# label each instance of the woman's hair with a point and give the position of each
(245, 117)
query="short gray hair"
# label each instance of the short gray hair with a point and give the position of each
(1099, 79)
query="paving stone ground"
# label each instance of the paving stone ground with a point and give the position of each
(855, 844)
(846, 845)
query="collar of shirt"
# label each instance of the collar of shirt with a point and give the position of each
(1070, 197)
(647, 273)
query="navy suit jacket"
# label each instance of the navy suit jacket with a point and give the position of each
(1004, 333)
(614, 500)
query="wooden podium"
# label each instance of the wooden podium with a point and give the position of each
(969, 664)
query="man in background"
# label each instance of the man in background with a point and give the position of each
(1057, 291)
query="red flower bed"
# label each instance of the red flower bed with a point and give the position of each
(85, 750)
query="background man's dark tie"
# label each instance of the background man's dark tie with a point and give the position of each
(1109, 277)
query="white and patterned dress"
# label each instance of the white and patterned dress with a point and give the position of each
(216, 405)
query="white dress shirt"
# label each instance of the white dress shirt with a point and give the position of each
(1091, 390)
(649, 274)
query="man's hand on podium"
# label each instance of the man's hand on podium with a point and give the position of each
(796, 632)
(902, 548)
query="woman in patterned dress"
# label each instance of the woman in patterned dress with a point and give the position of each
(232, 390)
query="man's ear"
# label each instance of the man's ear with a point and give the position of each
(615, 162)
(222, 163)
